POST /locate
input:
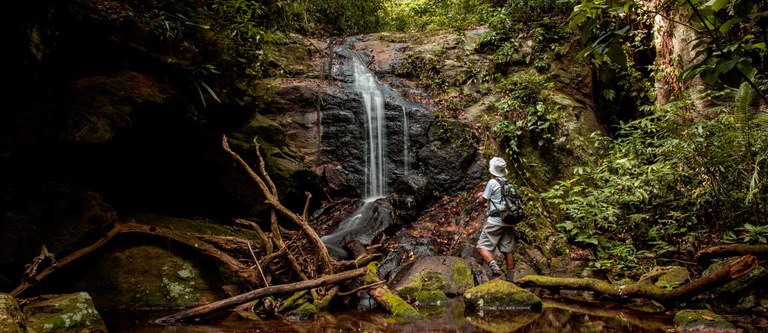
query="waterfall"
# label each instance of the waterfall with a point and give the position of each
(365, 83)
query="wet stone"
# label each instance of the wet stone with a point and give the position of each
(63, 313)
(501, 295)
(702, 321)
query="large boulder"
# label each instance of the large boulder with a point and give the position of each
(11, 319)
(501, 295)
(64, 313)
(430, 279)
(143, 277)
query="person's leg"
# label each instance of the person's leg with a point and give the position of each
(507, 246)
(489, 239)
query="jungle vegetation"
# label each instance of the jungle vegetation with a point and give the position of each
(671, 177)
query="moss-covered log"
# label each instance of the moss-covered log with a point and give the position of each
(645, 289)
(730, 250)
(387, 298)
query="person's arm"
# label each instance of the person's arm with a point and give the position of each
(482, 198)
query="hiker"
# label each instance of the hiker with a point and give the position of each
(495, 233)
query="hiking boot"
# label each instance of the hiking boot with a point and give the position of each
(495, 270)
(509, 274)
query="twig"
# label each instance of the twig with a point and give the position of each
(264, 278)
(350, 292)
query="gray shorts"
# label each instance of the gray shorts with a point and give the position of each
(496, 235)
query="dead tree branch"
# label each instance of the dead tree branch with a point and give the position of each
(730, 250)
(240, 270)
(258, 293)
(266, 190)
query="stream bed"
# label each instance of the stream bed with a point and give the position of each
(556, 316)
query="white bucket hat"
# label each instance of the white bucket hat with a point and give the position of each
(498, 167)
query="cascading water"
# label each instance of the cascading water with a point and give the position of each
(365, 83)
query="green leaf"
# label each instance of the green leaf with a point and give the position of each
(717, 4)
(728, 24)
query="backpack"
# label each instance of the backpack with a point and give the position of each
(513, 211)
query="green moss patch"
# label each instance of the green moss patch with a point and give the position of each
(63, 313)
(501, 295)
(702, 321)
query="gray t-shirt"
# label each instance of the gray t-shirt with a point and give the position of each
(492, 193)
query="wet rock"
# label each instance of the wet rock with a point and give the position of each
(447, 275)
(304, 312)
(702, 321)
(11, 319)
(501, 295)
(362, 226)
(63, 313)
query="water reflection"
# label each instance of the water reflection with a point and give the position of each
(555, 317)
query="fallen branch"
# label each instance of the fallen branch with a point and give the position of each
(729, 250)
(240, 270)
(645, 289)
(258, 293)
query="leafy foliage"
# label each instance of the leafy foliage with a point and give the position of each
(425, 15)
(667, 186)
(731, 35)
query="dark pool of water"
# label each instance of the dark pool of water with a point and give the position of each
(557, 316)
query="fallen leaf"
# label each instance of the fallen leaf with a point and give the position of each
(708, 318)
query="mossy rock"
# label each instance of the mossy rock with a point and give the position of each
(304, 312)
(146, 276)
(692, 321)
(63, 313)
(430, 298)
(11, 319)
(449, 275)
(501, 295)
(674, 278)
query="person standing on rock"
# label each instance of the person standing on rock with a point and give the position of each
(495, 233)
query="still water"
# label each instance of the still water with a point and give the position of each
(557, 316)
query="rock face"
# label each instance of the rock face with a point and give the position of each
(64, 313)
(501, 295)
(702, 321)
(11, 319)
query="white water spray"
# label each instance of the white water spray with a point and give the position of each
(365, 83)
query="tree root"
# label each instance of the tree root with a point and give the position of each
(646, 289)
